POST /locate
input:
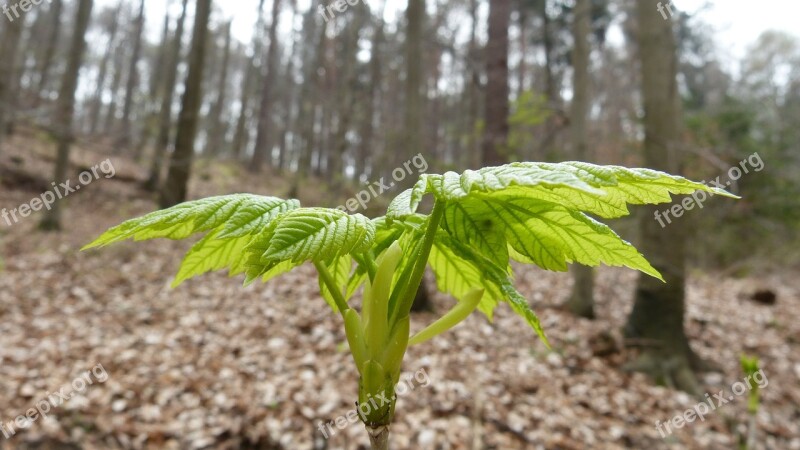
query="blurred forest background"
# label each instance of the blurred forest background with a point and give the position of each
(319, 103)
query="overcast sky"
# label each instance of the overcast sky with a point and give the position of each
(735, 23)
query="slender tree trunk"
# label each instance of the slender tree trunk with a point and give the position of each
(415, 18)
(413, 122)
(133, 80)
(284, 151)
(658, 311)
(309, 104)
(65, 108)
(97, 103)
(346, 100)
(241, 135)
(53, 30)
(497, 109)
(180, 165)
(165, 121)
(523, 48)
(218, 126)
(553, 90)
(289, 98)
(263, 150)
(365, 150)
(110, 120)
(157, 76)
(473, 157)
(581, 301)
(9, 47)
(551, 84)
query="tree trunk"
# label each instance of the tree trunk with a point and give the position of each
(496, 134)
(309, 105)
(157, 76)
(473, 157)
(656, 320)
(345, 100)
(133, 80)
(523, 48)
(365, 150)
(165, 121)
(218, 128)
(553, 90)
(97, 103)
(65, 108)
(241, 135)
(9, 47)
(109, 123)
(263, 150)
(415, 17)
(54, 30)
(414, 126)
(581, 301)
(180, 165)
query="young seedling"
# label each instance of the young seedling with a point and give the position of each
(529, 212)
(750, 367)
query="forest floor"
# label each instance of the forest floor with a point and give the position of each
(213, 365)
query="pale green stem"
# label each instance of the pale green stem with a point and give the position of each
(327, 278)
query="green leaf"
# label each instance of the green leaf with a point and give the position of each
(457, 275)
(498, 284)
(552, 236)
(474, 224)
(318, 234)
(212, 253)
(238, 214)
(601, 190)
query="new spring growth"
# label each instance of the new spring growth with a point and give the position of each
(378, 345)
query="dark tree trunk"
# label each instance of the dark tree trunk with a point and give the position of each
(415, 18)
(656, 321)
(165, 121)
(365, 150)
(581, 301)
(97, 103)
(473, 157)
(9, 47)
(180, 165)
(497, 109)
(109, 124)
(53, 30)
(413, 132)
(65, 108)
(133, 80)
(263, 149)
(218, 125)
(309, 106)
(157, 76)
